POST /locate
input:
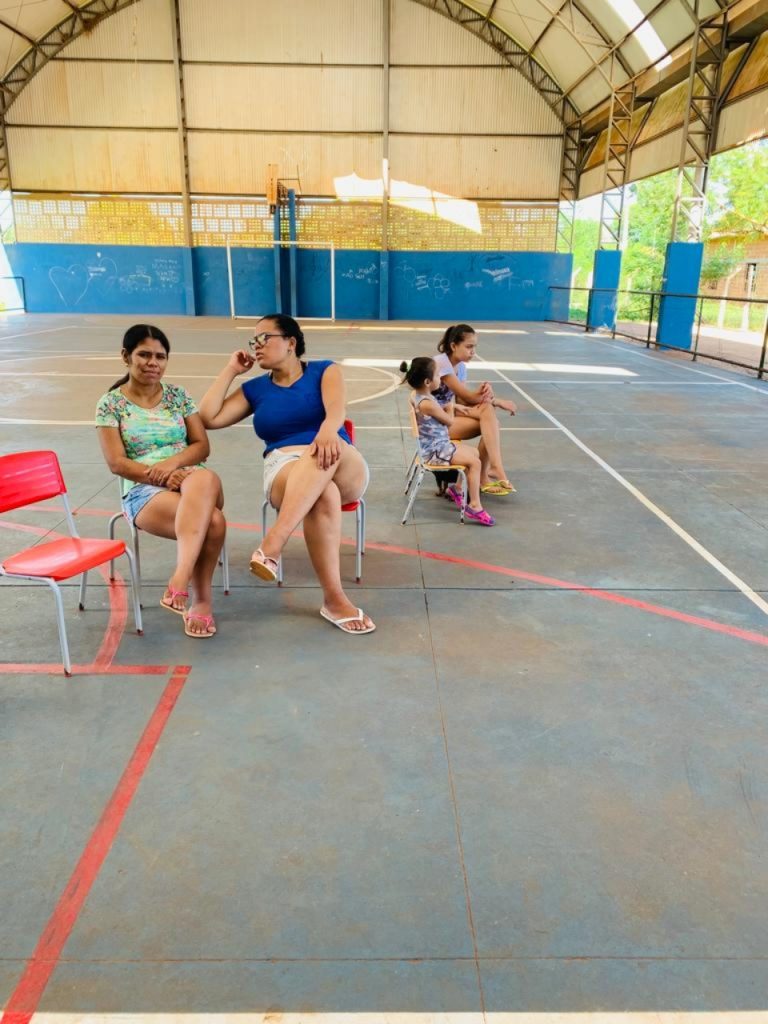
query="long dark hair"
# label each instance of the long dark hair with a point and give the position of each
(290, 329)
(454, 336)
(133, 337)
(419, 370)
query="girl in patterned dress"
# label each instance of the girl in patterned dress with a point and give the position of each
(435, 445)
(153, 438)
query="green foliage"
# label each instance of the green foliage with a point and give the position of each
(738, 192)
(721, 262)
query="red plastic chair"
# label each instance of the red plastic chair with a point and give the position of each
(25, 479)
(358, 507)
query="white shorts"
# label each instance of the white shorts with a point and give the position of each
(279, 457)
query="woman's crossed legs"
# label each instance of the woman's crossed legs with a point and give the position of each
(303, 491)
(192, 517)
(481, 420)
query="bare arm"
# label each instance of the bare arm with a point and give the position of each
(465, 395)
(327, 443)
(428, 407)
(216, 409)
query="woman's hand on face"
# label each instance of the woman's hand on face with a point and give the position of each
(327, 448)
(240, 362)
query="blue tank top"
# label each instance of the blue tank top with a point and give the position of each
(287, 416)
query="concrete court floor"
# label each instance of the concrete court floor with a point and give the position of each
(541, 786)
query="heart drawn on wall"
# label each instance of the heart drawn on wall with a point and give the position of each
(71, 283)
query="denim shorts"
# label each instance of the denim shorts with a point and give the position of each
(138, 496)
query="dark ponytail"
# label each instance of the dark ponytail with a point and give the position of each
(419, 370)
(454, 336)
(133, 338)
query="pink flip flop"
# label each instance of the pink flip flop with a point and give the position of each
(261, 566)
(207, 621)
(174, 594)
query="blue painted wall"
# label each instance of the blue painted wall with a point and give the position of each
(102, 278)
(474, 285)
(417, 285)
(357, 283)
(682, 270)
(605, 282)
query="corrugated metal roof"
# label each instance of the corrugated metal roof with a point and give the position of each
(53, 159)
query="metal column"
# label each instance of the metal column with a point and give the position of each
(699, 127)
(569, 187)
(618, 152)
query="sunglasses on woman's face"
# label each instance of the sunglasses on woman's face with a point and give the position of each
(260, 340)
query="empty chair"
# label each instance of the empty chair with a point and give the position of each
(25, 479)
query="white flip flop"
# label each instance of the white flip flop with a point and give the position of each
(350, 618)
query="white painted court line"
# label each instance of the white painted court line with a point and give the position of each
(716, 564)
(31, 334)
(407, 430)
(372, 1017)
(681, 366)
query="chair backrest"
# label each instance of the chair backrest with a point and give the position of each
(414, 424)
(27, 477)
(349, 426)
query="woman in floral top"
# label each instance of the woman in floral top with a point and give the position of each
(152, 436)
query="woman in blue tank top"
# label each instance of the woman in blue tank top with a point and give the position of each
(311, 468)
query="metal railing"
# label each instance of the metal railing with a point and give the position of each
(23, 306)
(636, 318)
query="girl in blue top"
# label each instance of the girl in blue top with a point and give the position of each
(474, 406)
(310, 467)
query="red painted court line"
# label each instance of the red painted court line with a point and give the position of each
(601, 595)
(548, 581)
(38, 668)
(28, 992)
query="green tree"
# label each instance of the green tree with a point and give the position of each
(738, 196)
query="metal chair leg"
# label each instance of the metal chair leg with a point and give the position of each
(463, 509)
(134, 567)
(224, 562)
(137, 559)
(83, 586)
(415, 485)
(358, 543)
(362, 526)
(62, 625)
(111, 535)
(411, 470)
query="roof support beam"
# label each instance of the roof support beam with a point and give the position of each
(508, 48)
(181, 122)
(38, 55)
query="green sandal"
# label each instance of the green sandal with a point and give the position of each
(496, 487)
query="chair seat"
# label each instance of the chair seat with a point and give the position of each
(62, 559)
(351, 506)
(442, 468)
